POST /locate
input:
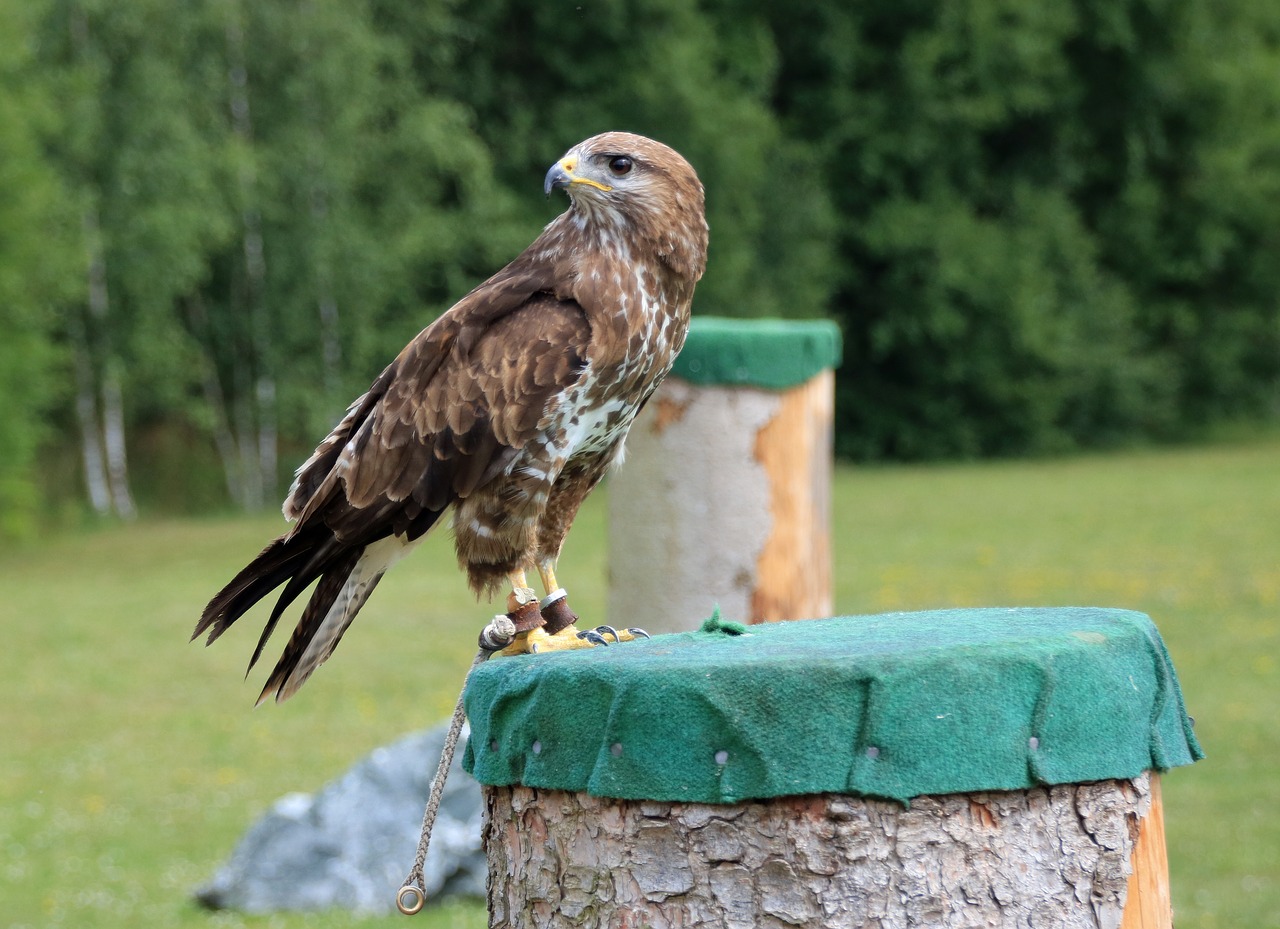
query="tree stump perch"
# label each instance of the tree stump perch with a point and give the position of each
(954, 768)
(1062, 856)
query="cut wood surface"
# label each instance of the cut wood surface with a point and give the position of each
(1149, 904)
(1058, 856)
(793, 571)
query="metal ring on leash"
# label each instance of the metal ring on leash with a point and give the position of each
(411, 897)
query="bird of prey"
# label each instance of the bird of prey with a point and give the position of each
(507, 410)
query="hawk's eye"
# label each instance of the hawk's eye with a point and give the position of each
(620, 165)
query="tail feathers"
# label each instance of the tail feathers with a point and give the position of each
(329, 559)
(334, 603)
(347, 575)
(294, 561)
(274, 565)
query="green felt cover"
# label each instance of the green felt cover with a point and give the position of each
(771, 353)
(893, 705)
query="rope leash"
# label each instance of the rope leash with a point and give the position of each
(410, 898)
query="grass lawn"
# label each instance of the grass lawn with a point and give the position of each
(132, 761)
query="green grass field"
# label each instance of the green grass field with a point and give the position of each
(132, 760)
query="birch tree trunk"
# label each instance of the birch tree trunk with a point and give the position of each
(99, 385)
(1059, 856)
(95, 471)
(114, 441)
(113, 449)
(257, 410)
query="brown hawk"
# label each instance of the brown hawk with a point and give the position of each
(509, 409)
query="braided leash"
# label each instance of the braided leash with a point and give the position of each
(410, 898)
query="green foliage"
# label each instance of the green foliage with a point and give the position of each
(373, 200)
(35, 255)
(1041, 226)
(1057, 220)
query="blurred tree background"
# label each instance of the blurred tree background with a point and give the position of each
(1042, 227)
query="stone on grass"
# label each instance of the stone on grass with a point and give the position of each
(351, 845)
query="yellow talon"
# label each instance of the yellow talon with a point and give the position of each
(537, 641)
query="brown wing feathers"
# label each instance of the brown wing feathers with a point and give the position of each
(420, 438)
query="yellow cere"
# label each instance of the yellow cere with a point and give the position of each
(569, 164)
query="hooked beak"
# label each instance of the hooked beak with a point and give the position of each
(558, 176)
(562, 175)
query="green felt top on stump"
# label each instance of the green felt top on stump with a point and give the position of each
(774, 354)
(894, 705)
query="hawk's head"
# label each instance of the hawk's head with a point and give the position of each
(622, 180)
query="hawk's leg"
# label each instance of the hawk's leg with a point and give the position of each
(522, 604)
(559, 631)
(546, 625)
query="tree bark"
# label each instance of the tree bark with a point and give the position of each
(1059, 856)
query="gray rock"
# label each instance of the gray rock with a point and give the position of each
(351, 844)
